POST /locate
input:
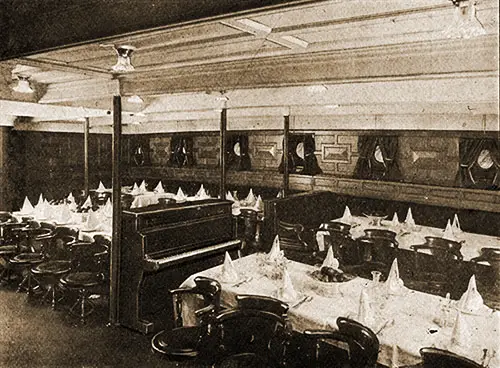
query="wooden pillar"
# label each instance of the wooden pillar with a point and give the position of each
(286, 134)
(86, 127)
(223, 128)
(114, 265)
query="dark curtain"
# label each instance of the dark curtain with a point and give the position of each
(311, 166)
(181, 151)
(307, 165)
(469, 151)
(368, 167)
(233, 161)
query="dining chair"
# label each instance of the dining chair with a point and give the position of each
(292, 242)
(247, 338)
(184, 342)
(438, 358)
(353, 345)
(339, 238)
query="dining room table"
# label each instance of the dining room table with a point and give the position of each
(403, 323)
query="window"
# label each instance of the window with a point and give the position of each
(181, 151)
(237, 157)
(301, 157)
(479, 164)
(377, 158)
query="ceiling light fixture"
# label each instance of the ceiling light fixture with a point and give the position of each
(123, 64)
(135, 99)
(23, 85)
(465, 23)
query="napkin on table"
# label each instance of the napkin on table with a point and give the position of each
(70, 198)
(287, 291)
(202, 194)
(87, 203)
(101, 188)
(180, 196)
(259, 204)
(159, 188)
(65, 214)
(108, 209)
(229, 273)
(135, 190)
(330, 260)
(394, 285)
(346, 217)
(461, 334)
(409, 218)
(455, 226)
(395, 219)
(40, 201)
(250, 199)
(92, 222)
(471, 301)
(230, 197)
(448, 232)
(275, 253)
(142, 187)
(27, 207)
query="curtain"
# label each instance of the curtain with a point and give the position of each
(311, 166)
(307, 165)
(368, 167)
(469, 151)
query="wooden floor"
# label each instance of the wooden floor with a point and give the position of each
(33, 335)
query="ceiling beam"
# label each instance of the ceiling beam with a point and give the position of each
(64, 67)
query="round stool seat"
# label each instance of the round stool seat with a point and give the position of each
(27, 259)
(52, 268)
(179, 343)
(82, 279)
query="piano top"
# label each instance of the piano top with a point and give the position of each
(162, 208)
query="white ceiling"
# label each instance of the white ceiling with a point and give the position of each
(357, 55)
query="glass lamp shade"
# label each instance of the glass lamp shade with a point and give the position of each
(23, 86)
(123, 65)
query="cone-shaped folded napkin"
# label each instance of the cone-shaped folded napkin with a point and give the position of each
(108, 209)
(40, 201)
(259, 204)
(471, 301)
(409, 218)
(64, 216)
(159, 188)
(142, 187)
(275, 253)
(330, 260)
(229, 273)
(395, 219)
(27, 207)
(287, 292)
(70, 198)
(180, 196)
(394, 285)
(366, 315)
(448, 232)
(101, 188)
(230, 197)
(135, 190)
(347, 217)
(250, 199)
(460, 335)
(87, 203)
(202, 194)
(455, 226)
(92, 223)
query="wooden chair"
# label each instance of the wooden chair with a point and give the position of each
(353, 345)
(339, 238)
(184, 342)
(438, 358)
(293, 243)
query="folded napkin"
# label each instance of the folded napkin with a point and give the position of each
(287, 291)
(330, 260)
(107, 210)
(455, 226)
(159, 188)
(259, 204)
(202, 194)
(230, 197)
(101, 188)
(64, 215)
(87, 203)
(320, 239)
(70, 198)
(366, 315)
(180, 196)
(27, 207)
(409, 218)
(93, 223)
(142, 187)
(275, 253)
(461, 333)
(250, 199)
(394, 285)
(346, 217)
(229, 273)
(43, 210)
(395, 219)
(135, 190)
(40, 201)
(448, 232)
(471, 301)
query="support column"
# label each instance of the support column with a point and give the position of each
(114, 265)
(286, 134)
(223, 128)
(86, 127)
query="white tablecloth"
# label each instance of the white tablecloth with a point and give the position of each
(471, 243)
(414, 314)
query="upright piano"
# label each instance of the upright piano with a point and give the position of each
(161, 246)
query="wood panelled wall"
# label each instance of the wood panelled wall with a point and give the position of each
(52, 163)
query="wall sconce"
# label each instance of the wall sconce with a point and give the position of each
(465, 23)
